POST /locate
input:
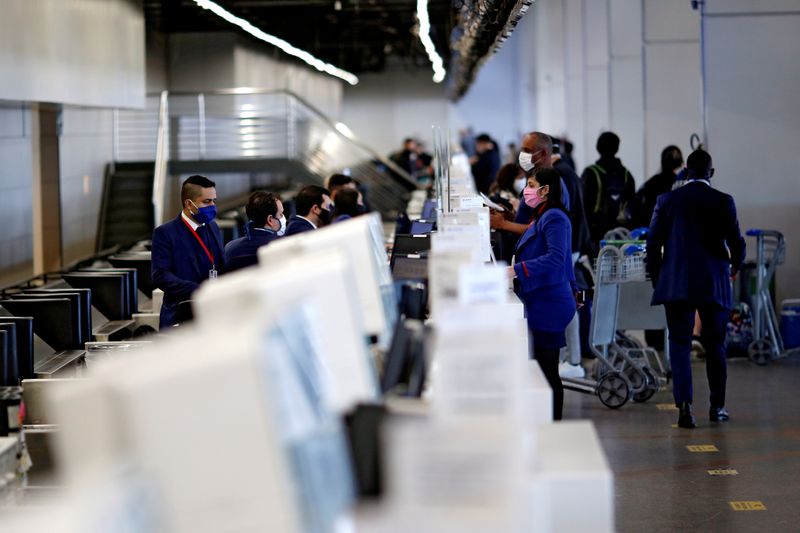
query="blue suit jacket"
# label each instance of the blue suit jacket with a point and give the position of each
(698, 230)
(243, 252)
(180, 264)
(545, 272)
(298, 225)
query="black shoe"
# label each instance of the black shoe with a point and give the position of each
(718, 414)
(685, 418)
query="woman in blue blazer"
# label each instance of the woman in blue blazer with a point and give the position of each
(546, 279)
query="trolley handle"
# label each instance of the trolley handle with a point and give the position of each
(754, 232)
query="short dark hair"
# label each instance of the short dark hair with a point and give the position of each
(484, 138)
(192, 185)
(338, 180)
(346, 203)
(671, 158)
(260, 206)
(698, 163)
(608, 143)
(308, 197)
(506, 176)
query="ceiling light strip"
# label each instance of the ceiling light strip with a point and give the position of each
(284, 46)
(425, 36)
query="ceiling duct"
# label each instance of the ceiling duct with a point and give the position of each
(483, 28)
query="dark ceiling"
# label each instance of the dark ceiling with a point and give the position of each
(359, 36)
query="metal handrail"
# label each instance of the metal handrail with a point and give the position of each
(247, 91)
(162, 158)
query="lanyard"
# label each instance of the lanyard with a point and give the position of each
(205, 248)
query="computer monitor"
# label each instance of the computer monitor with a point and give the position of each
(132, 285)
(329, 283)
(411, 244)
(429, 209)
(24, 335)
(419, 227)
(109, 291)
(404, 366)
(52, 320)
(85, 305)
(410, 267)
(9, 375)
(142, 262)
(362, 239)
(82, 302)
(238, 424)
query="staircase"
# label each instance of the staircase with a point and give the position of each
(126, 214)
(219, 133)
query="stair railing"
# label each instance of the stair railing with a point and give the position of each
(162, 159)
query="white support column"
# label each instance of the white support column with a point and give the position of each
(626, 85)
(672, 87)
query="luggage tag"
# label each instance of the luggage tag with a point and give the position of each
(212, 274)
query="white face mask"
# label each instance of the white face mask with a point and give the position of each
(519, 184)
(526, 161)
(282, 229)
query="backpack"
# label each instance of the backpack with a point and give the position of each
(610, 193)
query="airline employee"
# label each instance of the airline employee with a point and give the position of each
(313, 207)
(267, 223)
(188, 249)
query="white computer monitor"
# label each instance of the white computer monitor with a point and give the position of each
(362, 239)
(327, 280)
(225, 426)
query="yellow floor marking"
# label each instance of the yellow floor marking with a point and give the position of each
(723, 472)
(666, 407)
(701, 448)
(748, 506)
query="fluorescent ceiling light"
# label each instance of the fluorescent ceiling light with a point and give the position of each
(424, 35)
(280, 43)
(342, 128)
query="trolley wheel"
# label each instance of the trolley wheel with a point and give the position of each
(637, 379)
(760, 351)
(650, 389)
(614, 390)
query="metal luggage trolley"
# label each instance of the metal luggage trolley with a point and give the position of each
(767, 341)
(625, 369)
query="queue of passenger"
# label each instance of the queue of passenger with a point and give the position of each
(694, 246)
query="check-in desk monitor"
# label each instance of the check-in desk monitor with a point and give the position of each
(232, 435)
(328, 281)
(110, 293)
(81, 300)
(54, 320)
(421, 226)
(362, 239)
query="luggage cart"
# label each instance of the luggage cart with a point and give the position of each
(622, 301)
(770, 252)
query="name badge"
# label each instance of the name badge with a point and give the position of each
(212, 274)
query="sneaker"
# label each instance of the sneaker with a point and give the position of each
(697, 349)
(567, 370)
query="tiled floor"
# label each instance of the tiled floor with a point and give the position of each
(660, 485)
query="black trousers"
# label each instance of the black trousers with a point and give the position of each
(548, 359)
(680, 319)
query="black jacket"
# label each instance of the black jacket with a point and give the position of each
(608, 192)
(647, 195)
(581, 242)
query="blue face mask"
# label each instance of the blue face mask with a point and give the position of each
(205, 214)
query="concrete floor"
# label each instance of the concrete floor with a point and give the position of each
(661, 486)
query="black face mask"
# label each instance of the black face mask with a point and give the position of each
(325, 217)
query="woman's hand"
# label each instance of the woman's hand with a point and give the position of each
(511, 272)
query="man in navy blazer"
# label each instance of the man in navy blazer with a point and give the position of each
(693, 248)
(188, 249)
(266, 223)
(313, 207)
